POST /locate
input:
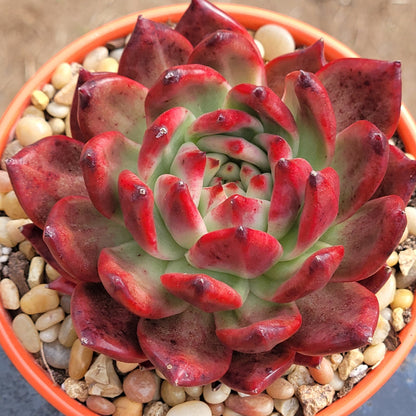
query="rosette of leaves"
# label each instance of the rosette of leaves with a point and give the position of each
(215, 216)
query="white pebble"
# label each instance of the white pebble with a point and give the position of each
(374, 354)
(50, 334)
(31, 129)
(6, 250)
(216, 395)
(116, 53)
(193, 407)
(276, 41)
(57, 110)
(57, 125)
(49, 90)
(381, 332)
(93, 58)
(62, 75)
(386, 294)
(411, 219)
(50, 318)
(57, 355)
(9, 294)
(25, 330)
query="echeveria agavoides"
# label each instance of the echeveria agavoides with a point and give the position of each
(210, 209)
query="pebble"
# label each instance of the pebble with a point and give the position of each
(80, 360)
(50, 334)
(287, 407)
(39, 99)
(172, 395)
(374, 354)
(192, 407)
(26, 248)
(36, 268)
(403, 298)
(140, 386)
(31, 110)
(100, 405)
(126, 367)
(126, 407)
(314, 398)
(39, 299)
(67, 334)
(66, 94)
(108, 65)
(281, 389)
(76, 389)
(217, 409)
(9, 294)
(351, 360)
(324, 373)
(5, 184)
(336, 382)
(229, 412)
(156, 409)
(57, 110)
(61, 76)
(31, 129)
(50, 318)
(13, 230)
(12, 207)
(116, 53)
(382, 330)
(194, 391)
(216, 394)
(49, 90)
(25, 330)
(397, 319)
(276, 41)
(57, 125)
(66, 303)
(259, 405)
(386, 294)
(407, 260)
(411, 219)
(10, 150)
(4, 235)
(56, 355)
(51, 273)
(300, 375)
(93, 58)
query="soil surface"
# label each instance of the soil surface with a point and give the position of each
(32, 31)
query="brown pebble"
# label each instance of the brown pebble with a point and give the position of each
(217, 409)
(100, 405)
(140, 386)
(18, 264)
(126, 407)
(314, 398)
(259, 405)
(324, 373)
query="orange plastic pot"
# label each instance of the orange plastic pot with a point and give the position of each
(252, 18)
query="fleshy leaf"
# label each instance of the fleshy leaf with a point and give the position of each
(211, 196)
(361, 158)
(375, 282)
(290, 280)
(338, 318)
(400, 177)
(238, 211)
(198, 88)
(132, 278)
(262, 102)
(309, 103)
(102, 159)
(364, 89)
(152, 48)
(202, 291)
(103, 325)
(253, 373)
(310, 59)
(308, 360)
(63, 285)
(288, 194)
(112, 103)
(258, 325)
(178, 210)
(184, 347)
(76, 230)
(261, 187)
(45, 172)
(161, 142)
(202, 18)
(225, 121)
(371, 223)
(233, 55)
(242, 251)
(143, 220)
(247, 171)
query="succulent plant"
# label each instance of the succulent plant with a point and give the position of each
(215, 216)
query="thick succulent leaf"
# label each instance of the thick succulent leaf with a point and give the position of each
(76, 230)
(184, 347)
(152, 48)
(198, 88)
(253, 373)
(103, 325)
(236, 148)
(338, 318)
(233, 55)
(308, 360)
(233, 188)
(202, 291)
(225, 121)
(189, 165)
(143, 220)
(211, 196)
(258, 325)
(202, 18)
(361, 158)
(375, 282)
(364, 89)
(290, 177)
(229, 172)
(112, 103)
(320, 208)
(241, 251)
(45, 172)
(212, 166)
(178, 210)
(400, 177)
(161, 142)
(262, 102)
(63, 285)
(374, 221)
(132, 278)
(34, 235)
(310, 59)
(310, 104)
(238, 211)
(247, 171)
(102, 159)
(290, 280)
(261, 187)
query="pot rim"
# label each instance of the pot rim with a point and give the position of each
(251, 17)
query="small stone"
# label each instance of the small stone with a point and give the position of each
(31, 129)
(351, 360)
(397, 319)
(67, 334)
(36, 268)
(324, 373)
(12, 207)
(31, 110)
(386, 294)
(314, 398)
(66, 94)
(194, 391)
(374, 354)
(281, 389)
(300, 375)
(276, 41)
(50, 334)
(140, 386)
(39, 99)
(62, 75)
(56, 355)
(336, 360)
(25, 330)
(403, 298)
(411, 219)
(192, 407)
(116, 54)
(66, 303)
(9, 294)
(57, 125)
(76, 389)
(51, 273)
(49, 90)
(156, 409)
(94, 57)
(5, 184)
(13, 230)
(407, 260)
(217, 409)
(258, 405)
(172, 395)
(336, 383)
(217, 393)
(126, 407)
(10, 150)
(359, 372)
(381, 332)
(57, 110)
(101, 378)
(126, 367)
(4, 235)
(100, 405)
(27, 249)
(287, 407)
(50, 318)
(108, 65)
(16, 271)
(39, 299)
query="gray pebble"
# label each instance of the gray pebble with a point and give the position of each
(56, 355)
